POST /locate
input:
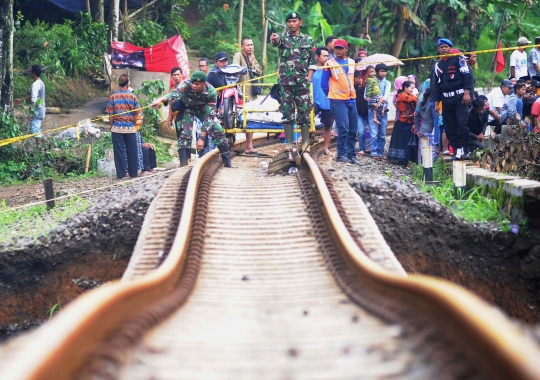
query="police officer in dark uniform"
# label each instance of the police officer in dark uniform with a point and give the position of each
(452, 87)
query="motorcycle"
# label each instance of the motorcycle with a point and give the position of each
(231, 97)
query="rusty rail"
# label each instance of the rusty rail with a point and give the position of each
(91, 331)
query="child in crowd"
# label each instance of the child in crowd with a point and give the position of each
(423, 120)
(373, 93)
(414, 79)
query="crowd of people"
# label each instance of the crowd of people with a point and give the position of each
(445, 108)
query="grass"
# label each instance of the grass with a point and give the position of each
(55, 309)
(37, 220)
(473, 206)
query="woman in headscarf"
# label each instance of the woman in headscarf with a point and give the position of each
(398, 82)
(424, 120)
(403, 126)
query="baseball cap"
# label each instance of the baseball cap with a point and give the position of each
(523, 41)
(507, 83)
(221, 55)
(342, 43)
(293, 15)
(198, 76)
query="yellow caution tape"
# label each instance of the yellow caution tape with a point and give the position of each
(20, 138)
(24, 137)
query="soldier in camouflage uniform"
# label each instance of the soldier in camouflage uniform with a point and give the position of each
(197, 98)
(297, 52)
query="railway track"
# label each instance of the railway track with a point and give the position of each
(237, 274)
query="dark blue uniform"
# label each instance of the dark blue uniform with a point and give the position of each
(452, 77)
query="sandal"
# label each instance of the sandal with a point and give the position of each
(327, 153)
(361, 153)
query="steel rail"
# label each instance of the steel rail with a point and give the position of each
(481, 330)
(61, 347)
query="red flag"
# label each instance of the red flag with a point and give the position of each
(499, 58)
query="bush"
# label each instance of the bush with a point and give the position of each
(66, 49)
(147, 33)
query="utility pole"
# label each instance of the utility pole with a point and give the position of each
(264, 36)
(240, 19)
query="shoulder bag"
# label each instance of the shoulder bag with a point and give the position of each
(255, 90)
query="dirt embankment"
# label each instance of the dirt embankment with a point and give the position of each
(87, 250)
(428, 239)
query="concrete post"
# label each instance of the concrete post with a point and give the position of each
(460, 178)
(427, 159)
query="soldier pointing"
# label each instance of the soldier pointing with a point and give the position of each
(297, 56)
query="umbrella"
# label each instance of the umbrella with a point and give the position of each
(372, 60)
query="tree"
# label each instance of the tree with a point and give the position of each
(97, 10)
(6, 56)
(114, 19)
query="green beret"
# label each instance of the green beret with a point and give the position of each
(198, 76)
(293, 15)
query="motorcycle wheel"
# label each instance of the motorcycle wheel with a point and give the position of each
(229, 113)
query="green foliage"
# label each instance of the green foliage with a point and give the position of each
(172, 18)
(8, 127)
(473, 206)
(147, 33)
(37, 220)
(67, 49)
(151, 117)
(216, 32)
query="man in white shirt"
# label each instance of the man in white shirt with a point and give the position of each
(37, 97)
(533, 61)
(496, 100)
(518, 59)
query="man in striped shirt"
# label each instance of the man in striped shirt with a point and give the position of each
(123, 129)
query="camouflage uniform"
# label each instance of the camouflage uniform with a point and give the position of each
(201, 105)
(297, 55)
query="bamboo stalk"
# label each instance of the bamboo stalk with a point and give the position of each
(88, 155)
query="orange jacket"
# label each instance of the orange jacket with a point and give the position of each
(341, 86)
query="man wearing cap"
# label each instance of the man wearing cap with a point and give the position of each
(199, 100)
(297, 56)
(451, 87)
(497, 101)
(533, 61)
(221, 60)
(338, 83)
(518, 59)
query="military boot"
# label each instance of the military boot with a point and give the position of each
(289, 139)
(304, 129)
(225, 155)
(183, 154)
